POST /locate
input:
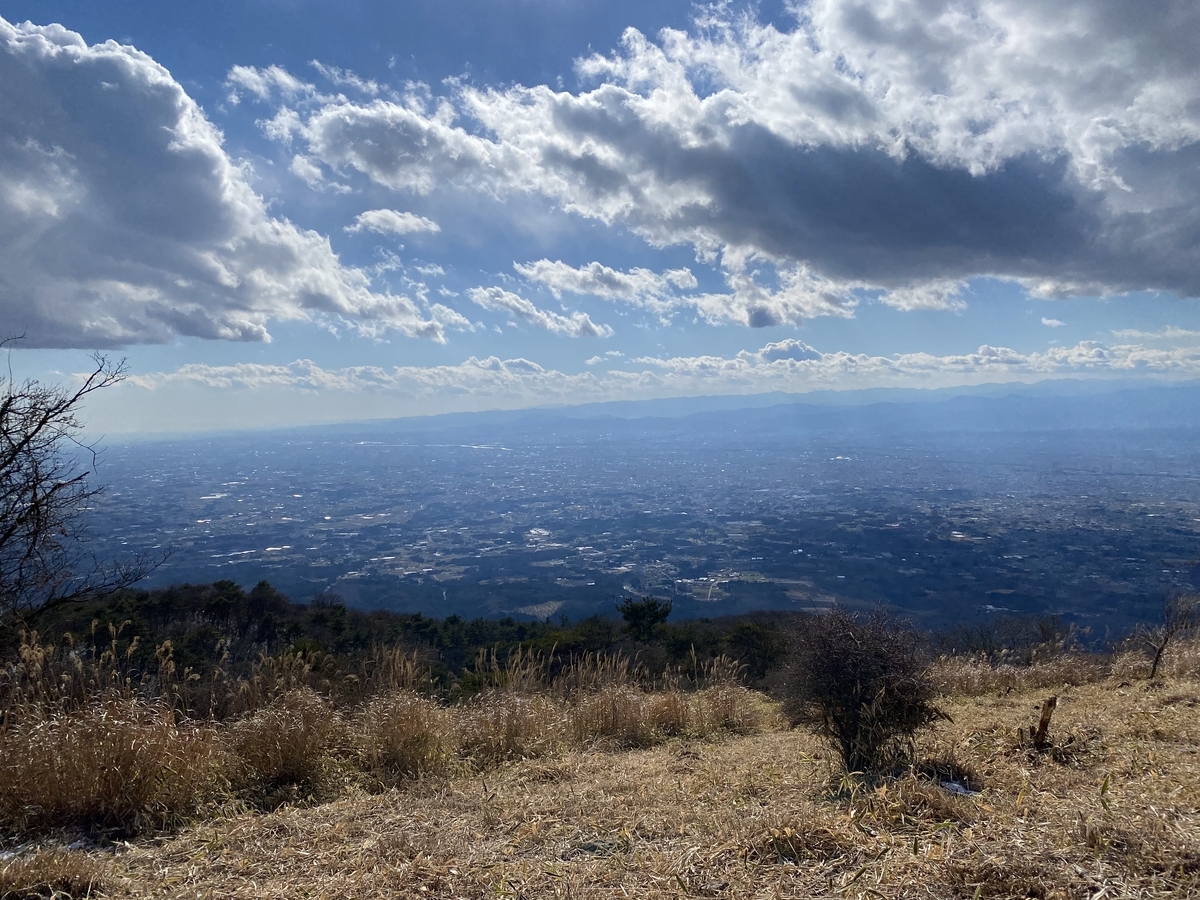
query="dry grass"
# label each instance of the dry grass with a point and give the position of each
(90, 751)
(498, 726)
(1182, 660)
(56, 874)
(1115, 813)
(974, 675)
(595, 786)
(284, 745)
(403, 735)
(122, 765)
(970, 676)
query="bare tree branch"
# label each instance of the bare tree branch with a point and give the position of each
(45, 496)
(1181, 615)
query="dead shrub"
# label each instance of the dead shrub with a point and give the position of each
(59, 874)
(403, 735)
(859, 683)
(285, 743)
(120, 766)
(497, 726)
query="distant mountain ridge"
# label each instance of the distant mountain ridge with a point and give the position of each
(1057, 405)
(1046, 406)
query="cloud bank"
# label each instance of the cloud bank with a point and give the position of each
(123, 221)
(789, 365)
(892, 151)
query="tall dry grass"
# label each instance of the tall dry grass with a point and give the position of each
(87, 741)
(498, 726)
(287, 741)
(53, 873)
(975, 675)
(404, 735)
(620, 717)
(1182, 659)
(121, 765)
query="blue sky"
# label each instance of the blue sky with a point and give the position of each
(291, 212)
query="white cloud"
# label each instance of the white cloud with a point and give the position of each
(1170, 333)
(783, 366)
(346, 78)
(609, 356)
(792, 365)
(639, 287)
(407, 146)
(282, 126)
(577, 324)
(307, 171)
(790, 349)
(1053, 323)
(122, 219)
(262, 83)
(474, 381)
(389, 221)
(903, 148)
(799, 294)
(940, 294)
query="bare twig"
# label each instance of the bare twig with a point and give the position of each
(45, 494)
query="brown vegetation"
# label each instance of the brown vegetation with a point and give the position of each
(860, 683)
(122, 766)
(755, 816)
(95, 746)
(53, 873)
(595, 782)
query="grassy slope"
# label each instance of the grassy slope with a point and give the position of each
(752, 816)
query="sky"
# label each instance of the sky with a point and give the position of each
(283, 212)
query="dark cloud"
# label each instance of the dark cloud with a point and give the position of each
(906, 147)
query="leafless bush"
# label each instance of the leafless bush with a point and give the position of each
(859, 683)
(1181, 617)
